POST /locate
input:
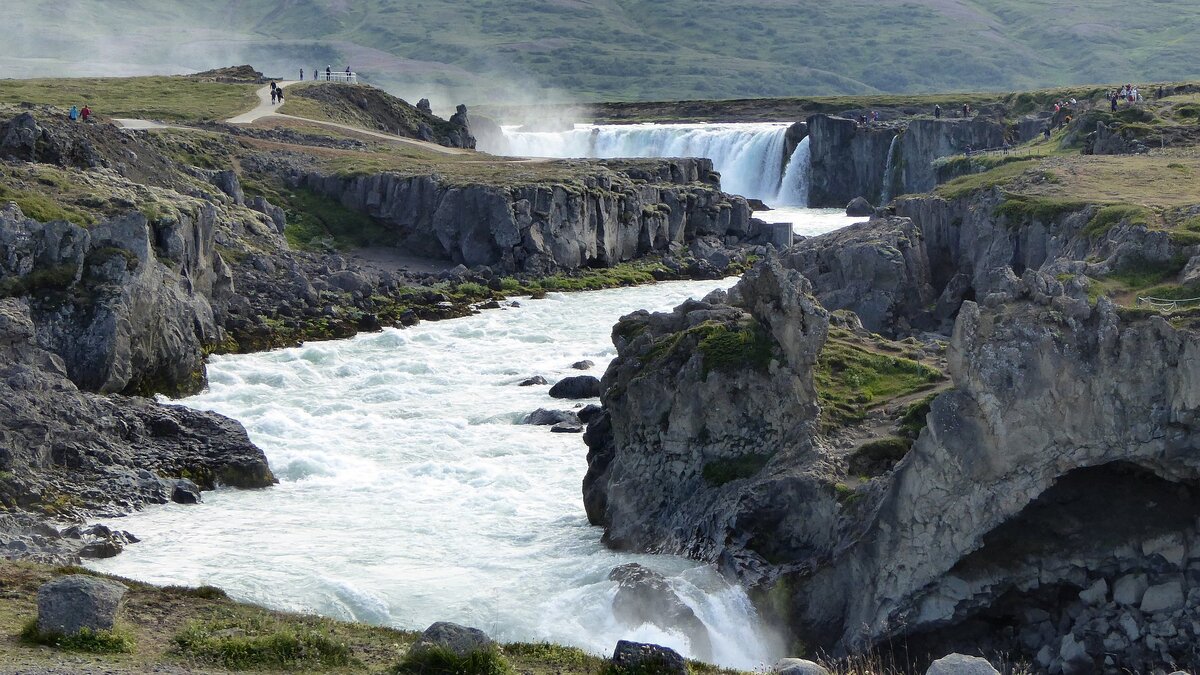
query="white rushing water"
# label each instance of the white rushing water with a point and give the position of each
(409, 494)
(748, 156)
(889, 171)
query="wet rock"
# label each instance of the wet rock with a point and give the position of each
(543, 417)
(580, 386)
(583, 365)
(70, 604)
(534, 381)
(1129, 589)
(185, 492)
(859, 207)
(639, 657)
(461, 640)
(960, 664)
(645, 596)
(589, 412)
(567, 428)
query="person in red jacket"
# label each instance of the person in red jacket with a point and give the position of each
(86, 113)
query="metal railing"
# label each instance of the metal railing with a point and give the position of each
(1164, 304)
(336, 76)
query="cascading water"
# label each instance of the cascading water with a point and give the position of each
(748, 156)
(410, 494)
(793, 191)
(889, 171)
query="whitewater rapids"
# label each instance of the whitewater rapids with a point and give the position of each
(409, 494)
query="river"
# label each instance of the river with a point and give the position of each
(409, 494)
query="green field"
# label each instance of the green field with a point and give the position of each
(490, 50)
(175, 99)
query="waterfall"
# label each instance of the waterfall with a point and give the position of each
(888, 171)
(747, 155)
(793, 190)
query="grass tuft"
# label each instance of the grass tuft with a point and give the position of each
(851, 380)
(249, 643)
(1109, 216)
(92, 642)
(442, 661)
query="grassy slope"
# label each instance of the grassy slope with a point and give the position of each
(155, 98)
(224, 633)
(667, 49)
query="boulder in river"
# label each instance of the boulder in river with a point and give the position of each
(859, 207)
(645, 596)
(567, 428)
(547, 418)
(581, 386)
(583, 365)
(73, 603)
(534, 381)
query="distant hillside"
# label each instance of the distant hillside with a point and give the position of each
(487, 50)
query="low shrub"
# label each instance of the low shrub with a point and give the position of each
(257, 644)
(442, 661)
(93, 642)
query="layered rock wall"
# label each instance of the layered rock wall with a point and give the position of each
(611, 217)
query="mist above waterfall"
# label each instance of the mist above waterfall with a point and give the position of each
(749, 157)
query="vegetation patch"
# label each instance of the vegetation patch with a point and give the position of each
(442, 661)
(726, 349)
(965, 186)
(116, 641)
(253, 642)
(879, 456)
(851, 380)
(914, 419)
(1022, 208)
(1109, 216)
(156, 98)
(317, 222)
(721, 471)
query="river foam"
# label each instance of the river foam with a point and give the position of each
(409, 494)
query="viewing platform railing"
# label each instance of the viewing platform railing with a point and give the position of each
(336, 76)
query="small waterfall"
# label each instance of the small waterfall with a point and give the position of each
(793, 191)
(746, 155)
(889, 171)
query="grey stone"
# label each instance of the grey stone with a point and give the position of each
(580, 386)
(461, 640)
(567, 428)
(642, 657)
(859, 207)
(1129, 589)
(1163, 598)
(583, 365)
(798, 667)
(534, 381)
(961, 664)
(548, 418)
(70, 604)
(644, 596)
(185, 492)
(1096, 594)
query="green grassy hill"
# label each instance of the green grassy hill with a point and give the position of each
(484, 50)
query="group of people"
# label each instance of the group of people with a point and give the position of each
(316, 74)
(937, 111)
(276, 93)
(1129, 94)
(865, 119)
(76, 114)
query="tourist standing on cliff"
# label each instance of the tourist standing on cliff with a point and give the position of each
(86, 113)
(301, 74)
(328, 73)
(937, 112)
(74, 114)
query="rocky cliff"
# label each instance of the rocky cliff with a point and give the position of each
(850, 161)
(616, 212)
(1048, 509)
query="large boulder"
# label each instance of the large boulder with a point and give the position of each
(859, 207)
(645, 596)
(648, 659)
(960, 664)
(798, 667)
(548, 418)
(68, 605)
(461, 640)
(580, 386)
